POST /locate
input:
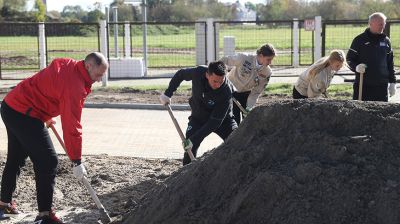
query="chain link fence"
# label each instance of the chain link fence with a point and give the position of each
(72, 40)
(19, 50)
(250, 35)
(340, 34)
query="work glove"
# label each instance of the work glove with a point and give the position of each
(360, 68)
(392, 89)
(187, 144)
(247, 111)
(50, 122)
(165, 99)
(79, 171)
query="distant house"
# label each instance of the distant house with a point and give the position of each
(242, 13)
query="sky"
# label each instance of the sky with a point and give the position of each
(88, 4)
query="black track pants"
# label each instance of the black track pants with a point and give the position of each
(297, 95)
(28, 137)
(242, 98)
(223, 131)
(371, 93)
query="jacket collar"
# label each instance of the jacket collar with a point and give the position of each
(374, 35)
(85, 74)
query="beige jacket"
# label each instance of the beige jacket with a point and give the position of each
(245, 75)
(314, 87)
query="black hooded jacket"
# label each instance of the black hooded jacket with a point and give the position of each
(208, 106)
(376, 52)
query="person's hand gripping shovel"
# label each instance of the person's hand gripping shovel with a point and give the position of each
(80, 171)
(361, 69)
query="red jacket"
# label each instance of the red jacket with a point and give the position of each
(59, 89)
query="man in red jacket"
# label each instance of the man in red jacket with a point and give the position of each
(27, 111)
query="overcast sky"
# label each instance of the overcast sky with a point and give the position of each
(58, 5)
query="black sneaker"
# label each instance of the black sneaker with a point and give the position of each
(10, 208)
(48, 219)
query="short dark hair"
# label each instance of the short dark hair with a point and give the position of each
(266, 50)
(96, 57)
(217, 67)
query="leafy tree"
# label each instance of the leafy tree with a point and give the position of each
(125, 12)
(94, 16)
(73, 13)
(15, 5)
(250, 6)
(40, 13)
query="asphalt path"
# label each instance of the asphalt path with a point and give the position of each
(129, 132)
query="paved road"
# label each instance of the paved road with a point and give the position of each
(137, 133)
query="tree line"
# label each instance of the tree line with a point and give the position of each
(191, 10)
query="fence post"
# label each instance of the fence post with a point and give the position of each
(144, 14)
(127, 38)
(318, 38)
(103, 47)
(42, 46)
(200, 30)
(296, 43)
(211, 38)
(229, 45)
(115, 14)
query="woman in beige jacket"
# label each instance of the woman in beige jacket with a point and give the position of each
(317, 78)
(250, 75)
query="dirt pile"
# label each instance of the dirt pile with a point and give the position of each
(118, 181)
(291, 162)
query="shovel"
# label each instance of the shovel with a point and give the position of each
(104, 217)
(244, 112)
(178, 128)
(360, 87)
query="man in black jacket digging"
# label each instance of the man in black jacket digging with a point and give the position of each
(371, 53)
(210, 103)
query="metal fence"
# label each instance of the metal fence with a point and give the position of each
(72, 40)
(395, 39)
(250, 35)
(18, 50)
(306, 45)
(171, 45)
(339, 34)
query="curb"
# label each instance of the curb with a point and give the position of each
(136, 106)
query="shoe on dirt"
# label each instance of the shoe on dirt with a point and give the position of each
(2, 216)
(48, 219)
(10, 208)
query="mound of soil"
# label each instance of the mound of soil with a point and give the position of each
(291, 161)
(118, 181)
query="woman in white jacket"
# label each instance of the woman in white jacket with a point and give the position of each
(316, 79)
(249, 75)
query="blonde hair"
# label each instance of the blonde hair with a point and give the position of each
(335, 55)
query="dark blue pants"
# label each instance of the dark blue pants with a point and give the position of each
(371, 93)
(224, 130)
(242, 98)
(297, 95)
(28, 137)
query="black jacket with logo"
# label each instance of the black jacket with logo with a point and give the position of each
(376, 52)
(208, 106)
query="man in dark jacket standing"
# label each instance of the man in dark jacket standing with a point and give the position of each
(59, 89)
(371, 53)
(211, 104)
